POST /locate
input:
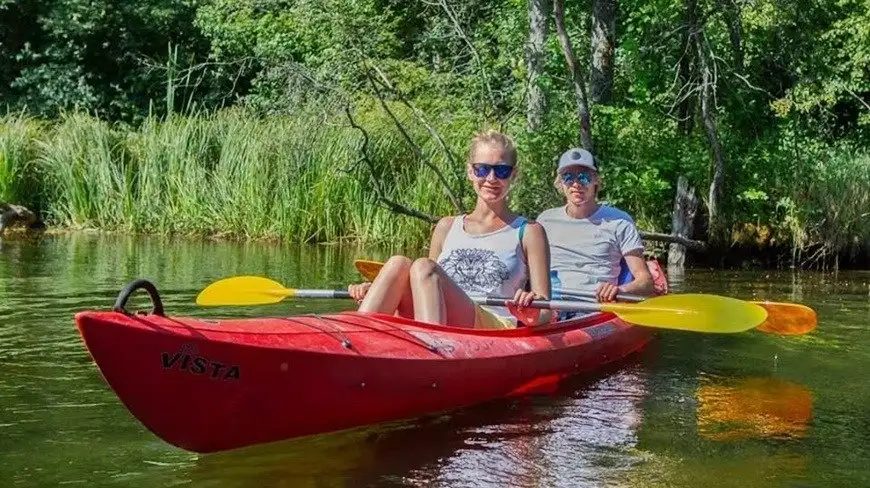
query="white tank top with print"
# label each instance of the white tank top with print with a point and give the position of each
(492, 263)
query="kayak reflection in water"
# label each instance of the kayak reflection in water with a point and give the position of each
(490, 251)
(596, 249)
(753, 408)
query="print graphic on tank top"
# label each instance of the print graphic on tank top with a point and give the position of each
(475, 268)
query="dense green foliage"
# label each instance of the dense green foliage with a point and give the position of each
(792, 103)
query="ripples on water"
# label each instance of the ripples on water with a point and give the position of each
(691, 410)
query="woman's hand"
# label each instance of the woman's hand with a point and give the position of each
(519, 308)
(358, 291)
(524, 298)
(606, 292)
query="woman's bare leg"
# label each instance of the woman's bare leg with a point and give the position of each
(437, 299)
(391, 290)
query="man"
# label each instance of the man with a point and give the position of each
(589, 241)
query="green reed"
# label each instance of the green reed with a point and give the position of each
(830, 213)
(19, 176)
(228, 173)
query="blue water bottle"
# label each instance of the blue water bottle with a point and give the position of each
(555, 285)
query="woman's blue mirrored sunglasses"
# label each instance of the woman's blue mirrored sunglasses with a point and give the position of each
(502, 171)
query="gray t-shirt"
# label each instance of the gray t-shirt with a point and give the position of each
(588, 251)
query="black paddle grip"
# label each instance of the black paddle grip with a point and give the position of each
(140, 284)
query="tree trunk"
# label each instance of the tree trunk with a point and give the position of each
(686, 103)
(735, 30)
(682, 223)
(583, 114)
(708, 114)
(603, 46)
(539, 13)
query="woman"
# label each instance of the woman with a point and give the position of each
(490, 251)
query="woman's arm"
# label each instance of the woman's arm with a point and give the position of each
(537, 251)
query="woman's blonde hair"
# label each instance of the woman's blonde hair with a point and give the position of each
(494, 138)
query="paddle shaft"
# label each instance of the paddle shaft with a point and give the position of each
(303, 293)
(574, 306)
(589, 294)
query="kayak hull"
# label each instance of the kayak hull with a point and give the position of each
(206, 386)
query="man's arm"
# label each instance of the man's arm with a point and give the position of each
(642, 284)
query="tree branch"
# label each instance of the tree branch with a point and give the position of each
(689, 243)
(849, 90)
(376, 185)
(416, 148)
(708, 114)
(746, 81)
(457, 204)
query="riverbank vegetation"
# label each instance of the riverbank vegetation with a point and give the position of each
(327, 120)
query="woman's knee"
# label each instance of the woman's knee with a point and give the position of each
(397, 263)
(423, 269)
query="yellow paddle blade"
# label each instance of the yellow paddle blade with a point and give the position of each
(693, 312)
(368, 269)
(788, 318)
(243, 290)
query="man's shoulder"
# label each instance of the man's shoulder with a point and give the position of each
(555, 213)
(609, 212)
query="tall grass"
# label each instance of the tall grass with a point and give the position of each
(19, 175)
(227, 173)
(86, 173)
(829, 216)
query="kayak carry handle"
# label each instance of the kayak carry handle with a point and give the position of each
(143, 284)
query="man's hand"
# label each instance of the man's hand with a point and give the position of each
(606, 292)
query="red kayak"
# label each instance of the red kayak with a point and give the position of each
(211, 385)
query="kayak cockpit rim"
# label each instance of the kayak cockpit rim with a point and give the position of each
(590, 320)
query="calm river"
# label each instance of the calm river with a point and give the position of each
(691, 410)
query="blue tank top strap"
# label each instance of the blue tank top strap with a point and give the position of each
(523, 228)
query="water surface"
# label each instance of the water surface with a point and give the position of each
(740, 410)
